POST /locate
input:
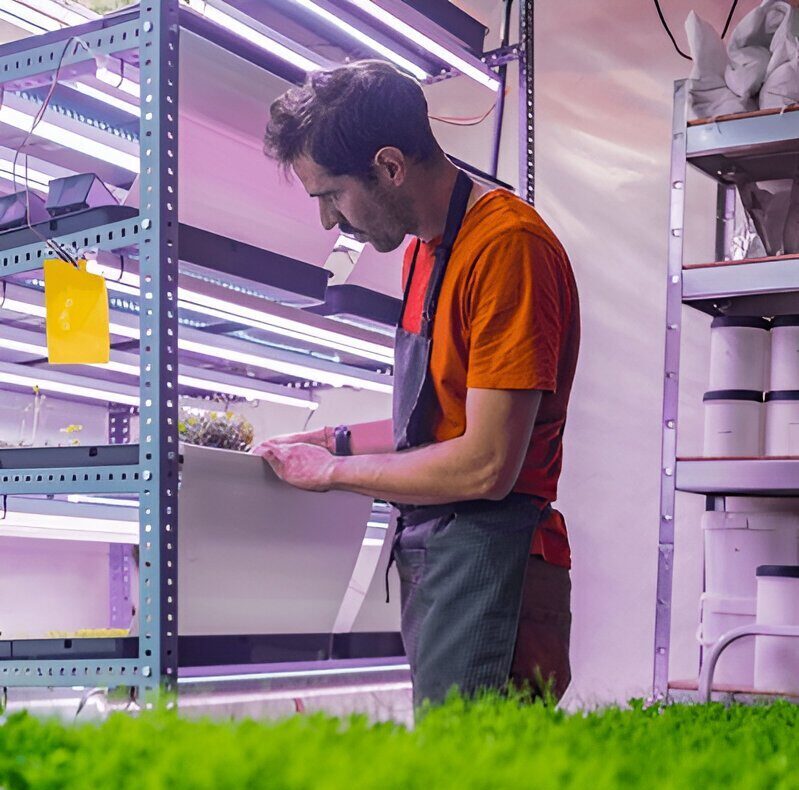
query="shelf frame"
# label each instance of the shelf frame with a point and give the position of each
(767, 287)
(150, 38)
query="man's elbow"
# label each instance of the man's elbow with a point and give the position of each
(496, 482)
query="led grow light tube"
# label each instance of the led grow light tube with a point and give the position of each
(420, 39)
(187, 380)
(27, 24)
(69, 139)
(365, 39)
(90, 499)
(298, 673)
(107, 98)
(56, 14)
(46, 383)
(218, 308)
(40, 525)
(35, 179)
(213, 14)
(293, 369)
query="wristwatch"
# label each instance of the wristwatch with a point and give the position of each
(341, 440)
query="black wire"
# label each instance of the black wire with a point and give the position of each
(729, 18)
(671, 35)
(668, 31)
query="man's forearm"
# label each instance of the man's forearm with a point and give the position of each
(369, 438)
(437, 473)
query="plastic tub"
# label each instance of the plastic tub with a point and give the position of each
(717, 615)
(733, 424)
(737, 543)
(739, 353)
(782, 423)
(777, 657)
(785, 353)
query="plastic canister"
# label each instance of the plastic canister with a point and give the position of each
(717, 615)
(736, 544)
(777, 657)
(733, 424)
(739, 353)
(785, 353)
(782, 422)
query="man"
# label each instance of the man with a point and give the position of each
(485, 356)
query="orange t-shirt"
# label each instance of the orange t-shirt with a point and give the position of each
(507, 318)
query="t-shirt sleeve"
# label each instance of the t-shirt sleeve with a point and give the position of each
(514, 314)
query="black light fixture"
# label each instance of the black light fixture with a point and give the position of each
(14, 210)
(77, 193)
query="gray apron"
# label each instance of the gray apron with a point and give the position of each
(461, 565)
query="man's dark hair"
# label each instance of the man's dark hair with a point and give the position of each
(341, 118)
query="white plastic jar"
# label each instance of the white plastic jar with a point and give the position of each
(733, 424)
(736, 544)
(777, 657)
(739, 353)
(785, 353)
(782, 423)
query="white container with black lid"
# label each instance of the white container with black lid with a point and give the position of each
(777, 657)
(782, 423)
(739, 353)
(733, 424)
(785, 353)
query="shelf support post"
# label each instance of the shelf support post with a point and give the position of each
(668, 465)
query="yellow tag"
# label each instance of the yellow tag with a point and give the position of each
(76, 306)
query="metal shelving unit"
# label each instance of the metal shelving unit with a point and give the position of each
(181, 275)
(731, 150)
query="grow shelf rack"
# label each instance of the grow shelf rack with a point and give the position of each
(148, 38)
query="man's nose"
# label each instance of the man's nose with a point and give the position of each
(328, 217)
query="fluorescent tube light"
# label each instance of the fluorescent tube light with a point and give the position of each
(46, 383)
(287, 368)
(70, 139)
(420, 39)
(35, 179)
(218, 308)
(90, 499)
(15, 19)
(228, 22)
(201, 382)
(365, 39)
(59, 14)
(40, 525)
(107, 98)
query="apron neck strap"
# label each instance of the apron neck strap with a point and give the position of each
(458, 204)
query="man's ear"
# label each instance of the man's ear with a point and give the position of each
(390, 165)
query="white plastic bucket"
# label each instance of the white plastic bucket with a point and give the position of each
(785, 353)
(733, 424)
(717, 615)
(782, 423)
(737, 543)
(777, 657)
(739, 353)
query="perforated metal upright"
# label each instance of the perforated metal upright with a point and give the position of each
(154, 478)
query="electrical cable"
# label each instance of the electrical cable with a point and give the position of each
(729, 18)
(472, 121)
(671, 35)
(60, 251)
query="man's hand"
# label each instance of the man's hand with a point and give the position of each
(305, 466)
(320, 438)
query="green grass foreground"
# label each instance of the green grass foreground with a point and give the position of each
(486, 744)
